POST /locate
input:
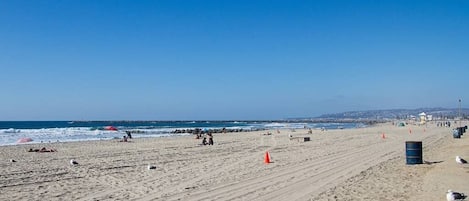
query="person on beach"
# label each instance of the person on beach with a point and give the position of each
(129, 134)
(204, 141)
(43, 149)
(124, 139)
(210, 139)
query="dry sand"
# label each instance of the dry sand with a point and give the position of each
(351, 164)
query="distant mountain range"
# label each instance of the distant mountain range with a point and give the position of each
(394, 114)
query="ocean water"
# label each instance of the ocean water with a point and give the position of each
(66, 131)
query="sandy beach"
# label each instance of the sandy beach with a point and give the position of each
(349, 164)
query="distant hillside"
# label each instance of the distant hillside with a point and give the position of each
(396, 113)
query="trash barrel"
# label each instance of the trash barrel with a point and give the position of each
(456, 133)
(413, 151)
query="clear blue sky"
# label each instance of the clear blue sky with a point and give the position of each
(215, 60)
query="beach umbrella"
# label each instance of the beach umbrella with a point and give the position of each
(110, 128)
(24, 140)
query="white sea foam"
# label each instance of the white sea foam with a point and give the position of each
(10, 130)
(8, 137)
(275, 125)
(11, 135)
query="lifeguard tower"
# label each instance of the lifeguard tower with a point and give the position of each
(423, 118)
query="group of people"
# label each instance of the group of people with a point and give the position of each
(443, 124)
(43, 149)
(126, 138)
(204, 138)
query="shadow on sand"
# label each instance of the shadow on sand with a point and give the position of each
(431, 162)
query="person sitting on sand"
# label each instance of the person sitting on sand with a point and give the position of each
(204, 141)
(43, 149)
(124, 139)
(210, 139)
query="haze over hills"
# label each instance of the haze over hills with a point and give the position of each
(395, 114)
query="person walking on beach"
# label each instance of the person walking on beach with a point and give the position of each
(129, 134)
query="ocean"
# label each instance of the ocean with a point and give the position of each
(66, 131)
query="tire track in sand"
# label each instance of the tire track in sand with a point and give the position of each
(237, 189)
(186, 183)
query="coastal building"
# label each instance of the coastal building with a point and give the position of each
(429, 117)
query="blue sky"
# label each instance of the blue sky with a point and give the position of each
(217, 60)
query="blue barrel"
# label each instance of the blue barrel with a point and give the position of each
(413, 151)
(456, 133)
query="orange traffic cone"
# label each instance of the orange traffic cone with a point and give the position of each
(267, 158)
(383, 136)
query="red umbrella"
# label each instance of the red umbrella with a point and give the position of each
(24, 140)
(110, 128)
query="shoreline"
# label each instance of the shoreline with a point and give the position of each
(57, 131)
(330, 164)
(142, 133)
